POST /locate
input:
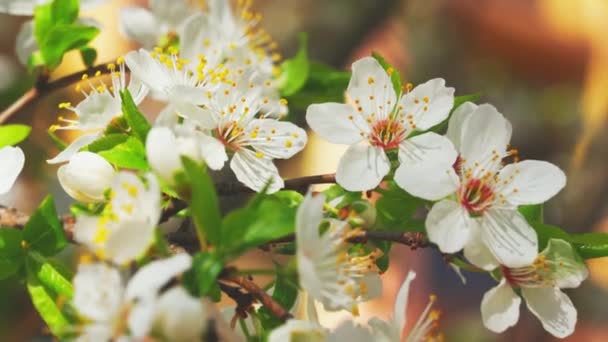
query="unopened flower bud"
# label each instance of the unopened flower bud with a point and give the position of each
(86, 176)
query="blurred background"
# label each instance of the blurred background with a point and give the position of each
(542, 63)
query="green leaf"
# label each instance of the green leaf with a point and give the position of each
(324, 84)
(88, 55)
(590, 245)
(532, 213)
(64, 11)
(295, 70)
(458, 100)
(13, 134)
(393, 73)
(395, 208)
(343, 197)
(201, 278)
(203, 202)
(45, 303)
(12, 254)
(285, 293)
(44, 232)
(107, 142)
(383, 261)
(136, 120)
(130, 154)
(291, 198)
(268, 219)
(49, 275)
(63, 38)
(43, 21)
(546, 232)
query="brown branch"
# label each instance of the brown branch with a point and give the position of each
(413, 240)
(300, 184)
(42, 88)
(264, 298)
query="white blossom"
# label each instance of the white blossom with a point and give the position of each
(393, 329)
(171, 80)
(111, 307)
(12, 160)
(149, 26)
(86, 176)
(250, 141)
(126, 227)
(384, 121)
(482, 208)
(100, 106)
(327, 270)
(555, 268)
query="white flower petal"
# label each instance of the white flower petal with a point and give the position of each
(276, 139)
(384, 331)
(160, 152)
(500, 307)
(485, 134)
(150, 278)
(457, 120)
(308, 219)
(97, 110)
(362, 167)
(130, 239)
(149, 71)
(349, 331)
(400, 310)
(73, 148)
(213, 152)
(194, 30)
(98, 291)
(370, 89)
(12, 160)
(86, 177)
(449, 226)
(531, 182)
(171, 12)
(426, 166)
(141, 317)
(20, 7)
(295, 329)
(85, 230)
(140, 25)
(180, 316)
(373, 283)
(572, 270)
(510, 238)
(25, 44)
(333, 122)
(203, 117)
(429, 103)
(255, 172)
(553, 308)
(478, 254)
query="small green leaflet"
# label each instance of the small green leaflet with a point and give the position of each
(136, 120)
(11, 135)
(203, 202)
(295, 70)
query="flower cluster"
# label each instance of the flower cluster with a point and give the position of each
(217, 75)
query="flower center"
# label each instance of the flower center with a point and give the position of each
(539, 274)
(230, 135)
(387, 134)
(476, 196)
